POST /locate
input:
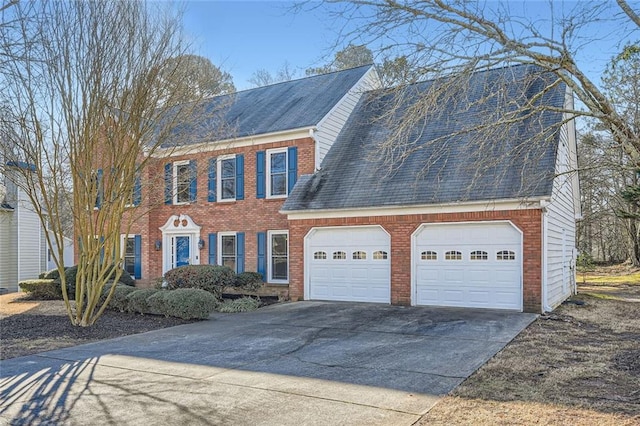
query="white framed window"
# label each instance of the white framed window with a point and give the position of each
(278, 253)
(227, 249)
(277, 173)
(181, 182)
(226, 173)
(339, 255)
(128, 253)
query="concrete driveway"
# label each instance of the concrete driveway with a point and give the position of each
(299, 363)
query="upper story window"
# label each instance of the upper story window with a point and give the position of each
(277, 173)
(226, 178)
(180, 182)
(227, 173)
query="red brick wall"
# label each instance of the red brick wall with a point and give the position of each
(250, 215)
(401, 227)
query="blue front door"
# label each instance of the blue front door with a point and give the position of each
(182, 255)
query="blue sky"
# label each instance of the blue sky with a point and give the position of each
(243, 36)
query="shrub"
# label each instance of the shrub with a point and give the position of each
(41, 288)
(119, 300)
(250, 281)
(137, 300)
(157, 302)
(243, 304)
(52, 274)
(212, 278)
(189, 303)
(71, 273)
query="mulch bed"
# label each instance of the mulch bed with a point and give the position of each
(47, 327)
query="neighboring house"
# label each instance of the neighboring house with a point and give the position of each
(22, 240)
(301, 194)
(68, 252)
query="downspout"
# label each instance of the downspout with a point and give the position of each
(545, 239)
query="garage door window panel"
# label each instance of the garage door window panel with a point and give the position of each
(359, 255)
(453, 255)
(320, 255)
(506, 255)
(339, 255)
(429, 255)
(380, 255)
(479, 255)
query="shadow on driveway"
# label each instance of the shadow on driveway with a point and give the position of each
(295, 363)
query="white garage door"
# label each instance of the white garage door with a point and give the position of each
(348, 264)
(469, 265)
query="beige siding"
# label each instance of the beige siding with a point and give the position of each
(561, 222)
(331, 125)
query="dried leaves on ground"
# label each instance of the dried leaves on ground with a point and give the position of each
(578, 365)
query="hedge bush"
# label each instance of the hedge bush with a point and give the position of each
(119, 300)
(157, 302)
(243, 304)
(137, 300)
(52, 274)
(212, 278)
(250, 281)
(189, 303)
(41, 288)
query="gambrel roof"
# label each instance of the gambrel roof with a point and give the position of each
(458, 152)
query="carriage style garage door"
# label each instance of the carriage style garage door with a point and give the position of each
(348, 264)
(468, 264)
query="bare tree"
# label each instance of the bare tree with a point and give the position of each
(195, 77)
(92, 92)
(350, 57)
(263, 77)
(459, 37)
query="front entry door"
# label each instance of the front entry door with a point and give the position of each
(182, 252)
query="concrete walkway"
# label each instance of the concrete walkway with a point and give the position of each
(303, 363)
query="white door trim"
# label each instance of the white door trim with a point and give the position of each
(179, 225)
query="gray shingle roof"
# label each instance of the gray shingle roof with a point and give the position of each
(279, 107)
(444, 158)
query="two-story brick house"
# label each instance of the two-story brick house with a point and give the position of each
(295, 192)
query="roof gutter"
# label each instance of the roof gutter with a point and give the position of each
(456, 207)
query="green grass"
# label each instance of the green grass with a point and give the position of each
(631, 279)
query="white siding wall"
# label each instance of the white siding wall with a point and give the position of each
(561, 221)
(8, 255)
(29, 240)
(331, 125)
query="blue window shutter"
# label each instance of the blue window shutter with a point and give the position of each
(168, 183)
(292, 165)
(137, 261)
(211, 197)
(261, 183)
(262, 255)
(193, 181)
(213, 244)
(240, 252)
(239, 177)
(137, 190)
(99, 191)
